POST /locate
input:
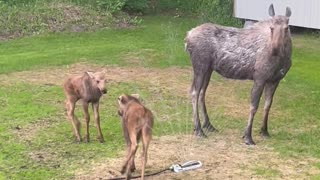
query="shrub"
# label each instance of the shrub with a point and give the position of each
(136, 5)
(111, 5)
(217, 11)
(17, 21)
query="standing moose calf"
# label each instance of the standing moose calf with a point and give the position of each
(261, 52)
(88, 87)
(137, 123)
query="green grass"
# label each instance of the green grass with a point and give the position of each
(267, 172)
(28, 106)
(157, 43)
(161, 36)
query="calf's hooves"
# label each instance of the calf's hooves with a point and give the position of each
(87, 140)
(77, 140)
(101, 140)
(123, 170)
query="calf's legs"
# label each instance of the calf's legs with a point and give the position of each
(95, 107)
(87, 119)
(70, 105)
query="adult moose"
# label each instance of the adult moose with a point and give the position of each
(261, 52)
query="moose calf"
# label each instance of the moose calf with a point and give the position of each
(137, 122)
(89, 88)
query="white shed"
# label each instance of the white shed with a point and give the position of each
(305, 13)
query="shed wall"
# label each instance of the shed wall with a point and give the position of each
(305, 13)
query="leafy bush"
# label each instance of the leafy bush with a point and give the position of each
(136, 5)
(111, 5)
(17, 21)
(217, 11)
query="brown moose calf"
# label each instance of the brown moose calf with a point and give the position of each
(89, 88)
(137, 122)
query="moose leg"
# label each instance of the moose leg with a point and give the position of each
(95, 107)
(133, 150)
(196, 86)
(207, 125)
(270, 89)
(124, 166)
(255, 99)
(87, 118)
(146, 137)
(70, 105)
(128, 143)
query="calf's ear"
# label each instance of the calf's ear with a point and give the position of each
(136, 96)
(122, 99)
(90, 74)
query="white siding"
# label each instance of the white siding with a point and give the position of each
(305, 13)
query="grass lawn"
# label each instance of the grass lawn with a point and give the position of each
(36, 140)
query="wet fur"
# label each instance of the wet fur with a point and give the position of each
(261, 52)
(84, 87)
(137, 123)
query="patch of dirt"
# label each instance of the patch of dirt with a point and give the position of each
(26, 133)
(223, 156)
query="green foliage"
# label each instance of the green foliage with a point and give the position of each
(39, 17)
(217, 11)
(136, 5)
(186, 6)
(17, 21)
(111, 5)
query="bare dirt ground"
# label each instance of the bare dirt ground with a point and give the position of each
(223, 154)
(223, 157)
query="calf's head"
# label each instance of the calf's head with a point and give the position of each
(98, 80)
(279, 29)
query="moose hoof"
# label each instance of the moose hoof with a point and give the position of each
(86, 139)
(123, 170)
(133, 169)
(209, 128)
(264, 134)
(101, 140)
(200, 133)
(77, 140)
(248, 141)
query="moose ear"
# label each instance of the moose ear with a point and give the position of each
(136, 96)
(90, 74)
(288, 12)
(122, 99)
(271, 10)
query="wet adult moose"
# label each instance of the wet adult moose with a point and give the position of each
(261, 52)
